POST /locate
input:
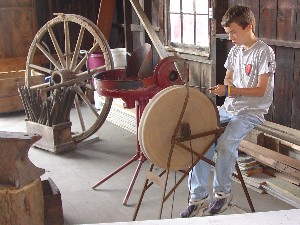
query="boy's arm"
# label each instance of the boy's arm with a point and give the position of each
(257, 91)
(228, 80)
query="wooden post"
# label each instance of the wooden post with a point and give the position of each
(105, 16)
(22, 206)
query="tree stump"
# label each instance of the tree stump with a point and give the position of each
(22, 206)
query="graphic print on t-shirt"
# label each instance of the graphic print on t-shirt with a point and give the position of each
(248, 69)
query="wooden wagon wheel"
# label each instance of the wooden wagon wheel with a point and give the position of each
(67, 65)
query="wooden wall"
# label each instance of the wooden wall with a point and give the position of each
(278, 24)
(46, 8)
(21, 19)
(17, 26)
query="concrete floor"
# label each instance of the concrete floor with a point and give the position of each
(75, 173)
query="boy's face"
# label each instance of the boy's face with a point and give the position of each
(237, 34)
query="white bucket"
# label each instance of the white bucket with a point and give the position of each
(98, 100)
(119, 57)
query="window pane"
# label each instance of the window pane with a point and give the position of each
(175, 28)
(175, 6)
(202, 37)
(187, 6)
(188, 29)
(202, 6)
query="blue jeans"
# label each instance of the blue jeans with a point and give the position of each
(238, 127)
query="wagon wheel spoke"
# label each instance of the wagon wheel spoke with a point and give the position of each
(87, 102)
(67, 43)
(84, 59)
(40, 68)
(57, 48)
(66, 36)
(77, 48)
(49, 56)
(79, 113)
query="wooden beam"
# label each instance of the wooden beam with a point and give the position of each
(149, 29)
(274, 42)
(139, 28)
(281, 132)
(127, 21)
(273, 159)
(105, 17)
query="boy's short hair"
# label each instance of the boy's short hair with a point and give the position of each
(239, 14)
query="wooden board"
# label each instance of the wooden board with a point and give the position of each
(286, 15)
(283, 86)
(10, 100)
(270, 158)
(295, 120)
(16, 3)
(289, 190)
(11, 104)
(19, 26)
(19, 63)
(8, 87)
(52, 201)
(106, 10)
(267, 19)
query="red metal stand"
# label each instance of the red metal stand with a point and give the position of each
(140, 106)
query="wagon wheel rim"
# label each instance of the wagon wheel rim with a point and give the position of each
(70, 67)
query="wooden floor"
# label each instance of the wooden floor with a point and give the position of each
(77, 171)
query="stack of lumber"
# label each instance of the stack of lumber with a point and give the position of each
(248, 165)
(276, 149)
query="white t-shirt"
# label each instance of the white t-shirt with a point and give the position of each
(247, 65)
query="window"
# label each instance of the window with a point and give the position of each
(188, 24)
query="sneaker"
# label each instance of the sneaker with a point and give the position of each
(219, 203)
(194, 207)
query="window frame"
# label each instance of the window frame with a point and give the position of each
(181, 47)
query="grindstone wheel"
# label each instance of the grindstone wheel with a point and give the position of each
(64, 44)
(159, 121)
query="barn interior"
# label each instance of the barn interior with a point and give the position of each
(76, 79)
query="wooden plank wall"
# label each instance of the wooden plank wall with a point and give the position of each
(20, 20)
(86, 8)
(17, 26)
(295, 117)
(278, 23)
(286, 29)
(45, 10)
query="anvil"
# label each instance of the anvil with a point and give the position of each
(16, 169)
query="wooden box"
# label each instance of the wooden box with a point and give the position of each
(53, 211)
(10, 101)
(55, 139)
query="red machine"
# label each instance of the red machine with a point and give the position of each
(136, 90)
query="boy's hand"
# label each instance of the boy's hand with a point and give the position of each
(217, 90)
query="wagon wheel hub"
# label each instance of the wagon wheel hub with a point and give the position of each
(62, 76)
